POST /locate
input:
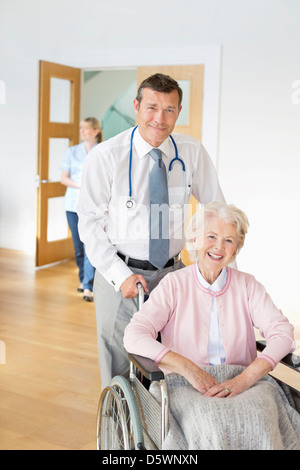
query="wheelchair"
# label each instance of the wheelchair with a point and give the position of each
(130, 418)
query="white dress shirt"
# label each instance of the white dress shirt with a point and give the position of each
(216, 351)
(106, 226)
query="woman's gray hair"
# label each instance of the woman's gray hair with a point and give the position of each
(227, 212)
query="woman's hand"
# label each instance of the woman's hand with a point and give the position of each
(208, 385)
(67, 181)
(254, 372)
(230, 388)
(198, 378)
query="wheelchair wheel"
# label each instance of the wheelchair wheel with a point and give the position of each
(119, 425)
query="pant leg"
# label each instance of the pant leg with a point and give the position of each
(113, 313)
(88, 273)
(72, 219)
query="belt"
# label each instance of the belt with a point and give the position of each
(146, 265)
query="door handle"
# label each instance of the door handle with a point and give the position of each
(38, 181)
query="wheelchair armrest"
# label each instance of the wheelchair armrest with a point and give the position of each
(147, 367)
(291, 360)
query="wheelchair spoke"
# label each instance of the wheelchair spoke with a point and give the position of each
(118, 421)
(114, 433)
(127, 417)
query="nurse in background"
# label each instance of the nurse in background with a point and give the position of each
(71, 166)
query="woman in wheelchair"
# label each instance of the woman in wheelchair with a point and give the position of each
(206, 314)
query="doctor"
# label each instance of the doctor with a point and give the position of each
(115, 233)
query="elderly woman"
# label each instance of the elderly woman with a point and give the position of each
(206, 313)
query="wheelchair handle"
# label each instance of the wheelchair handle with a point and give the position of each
(140, 296)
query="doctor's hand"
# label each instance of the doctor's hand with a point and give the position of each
(129, 287)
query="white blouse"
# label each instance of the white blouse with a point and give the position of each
(216, 351)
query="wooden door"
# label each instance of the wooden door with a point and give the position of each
(190, 78)
(58, 128)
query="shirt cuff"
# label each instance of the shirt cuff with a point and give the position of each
(268, 359)
(117, 274)
(278, 348)
(160, 355)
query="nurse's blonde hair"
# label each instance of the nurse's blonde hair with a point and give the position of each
(96, 126)
(227, 212)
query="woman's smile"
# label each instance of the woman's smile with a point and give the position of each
(214, 256)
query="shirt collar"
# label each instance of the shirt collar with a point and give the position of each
(143, 148)
(217, 285)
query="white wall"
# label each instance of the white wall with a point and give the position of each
(259, 143)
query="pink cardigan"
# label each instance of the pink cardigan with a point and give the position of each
(179, 307)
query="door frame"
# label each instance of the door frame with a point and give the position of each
(48, 252)
(133, 58)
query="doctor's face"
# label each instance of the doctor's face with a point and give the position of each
(157, 114)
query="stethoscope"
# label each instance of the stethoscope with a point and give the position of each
(130, 203)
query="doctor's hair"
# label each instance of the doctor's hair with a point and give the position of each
(95, 125)
(228, 213)
(161, 83)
